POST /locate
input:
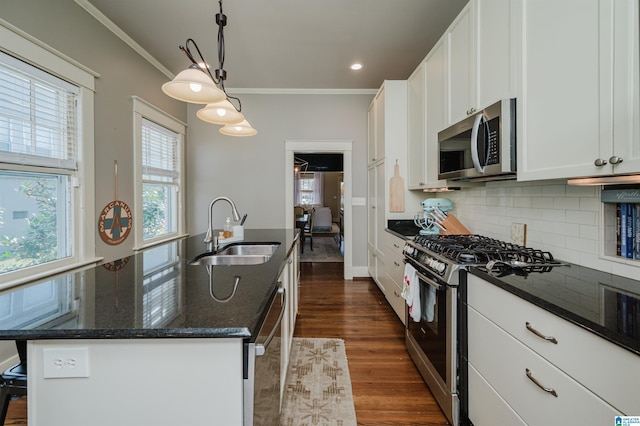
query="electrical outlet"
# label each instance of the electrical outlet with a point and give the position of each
(519, 233)
(65, 362)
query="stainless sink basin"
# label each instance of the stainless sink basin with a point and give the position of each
(238, 254)
(242, 249)
(233, 259)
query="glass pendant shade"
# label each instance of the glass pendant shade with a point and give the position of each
(193, 85)
(220, 113)
(239, 129)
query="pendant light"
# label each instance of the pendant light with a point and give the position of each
(239, 129)
(222, 112)
(198, 85)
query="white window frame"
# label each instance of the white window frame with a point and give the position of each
(20, 45)
(141, 110)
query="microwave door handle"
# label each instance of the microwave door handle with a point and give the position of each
(474, 144)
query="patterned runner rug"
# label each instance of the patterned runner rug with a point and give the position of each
(318, 387)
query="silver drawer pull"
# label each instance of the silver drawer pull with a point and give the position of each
(546, 389)
(540, 335)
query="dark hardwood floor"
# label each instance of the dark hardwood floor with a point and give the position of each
(387, 387)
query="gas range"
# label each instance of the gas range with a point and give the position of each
(445, 255)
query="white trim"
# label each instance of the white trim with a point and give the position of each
(281, 91)
(21, 45)
(49, 272)
(100, 17)
(25, 47)
(345, 147)
(143, 109)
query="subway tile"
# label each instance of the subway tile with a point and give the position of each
(553, 190)
(582, 218)
(563, 203)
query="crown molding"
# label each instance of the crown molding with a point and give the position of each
(100, 17)
(281, 91)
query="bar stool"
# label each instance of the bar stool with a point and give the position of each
(13, 381)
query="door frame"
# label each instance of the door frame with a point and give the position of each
(344, 147)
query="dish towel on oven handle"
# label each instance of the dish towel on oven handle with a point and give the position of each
(411, 292)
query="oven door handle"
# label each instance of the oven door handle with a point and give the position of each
(420, 275)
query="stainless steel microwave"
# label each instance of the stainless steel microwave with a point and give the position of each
(482, 146)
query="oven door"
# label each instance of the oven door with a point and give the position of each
(431, 341)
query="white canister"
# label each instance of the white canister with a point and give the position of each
(238, 231)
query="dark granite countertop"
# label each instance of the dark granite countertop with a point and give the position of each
(152, 294)
(605, 304)
(402, 228)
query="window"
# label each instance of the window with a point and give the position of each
(309, 191)
(159, 153)
(41, 164)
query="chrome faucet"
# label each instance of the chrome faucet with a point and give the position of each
(210, 238)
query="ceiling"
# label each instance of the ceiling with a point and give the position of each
(292, 44)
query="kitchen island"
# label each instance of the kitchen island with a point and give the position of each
(148, 339)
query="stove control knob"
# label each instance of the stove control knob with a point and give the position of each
(439, 266)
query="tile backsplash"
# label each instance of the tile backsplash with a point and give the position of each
(562, 219)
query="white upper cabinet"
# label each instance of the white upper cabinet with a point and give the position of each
(459, 67)
(416, 120)
(480, 61)
(495, 76)
(435, 70)
(577, 109)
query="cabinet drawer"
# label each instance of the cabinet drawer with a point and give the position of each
(393, 243)
(503, 361)
(486, 407)
(393, 293)
(611, 372)
(395, 267)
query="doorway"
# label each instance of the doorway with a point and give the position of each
(331, 146)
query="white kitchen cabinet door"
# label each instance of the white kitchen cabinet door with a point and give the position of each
(371, 133)
(416, 121)
(577, 108)
(626, 82)
(458, 39)
(494, 55)
(435, 74)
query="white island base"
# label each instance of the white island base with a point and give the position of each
(136, 382)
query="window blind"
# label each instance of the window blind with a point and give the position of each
(159, 153)
(38, 116)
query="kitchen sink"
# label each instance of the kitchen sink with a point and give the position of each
(243, 249)
(230, 259)
(238, 254)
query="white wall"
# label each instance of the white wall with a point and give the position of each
(562, 219)
(251, 170)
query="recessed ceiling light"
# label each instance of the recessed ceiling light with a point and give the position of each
(356, 67)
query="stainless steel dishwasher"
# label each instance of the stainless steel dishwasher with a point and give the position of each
(262, 368)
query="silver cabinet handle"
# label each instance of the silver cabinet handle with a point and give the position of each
(396, 245)
(540, 335)
(600, 162)
(544, 388)
(615, 160)
(396, 263)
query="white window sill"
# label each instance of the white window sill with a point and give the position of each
(160, 241)
(51, 272)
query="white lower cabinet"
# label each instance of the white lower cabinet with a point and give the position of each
(593, 379)
(289, 278)
(194, 382)
(394, 273)
(506, 370)
(487, 405)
